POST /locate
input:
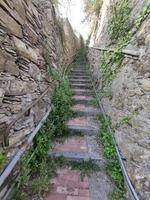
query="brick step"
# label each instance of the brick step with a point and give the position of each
(68, 185)
(86, 124)
(73, 148)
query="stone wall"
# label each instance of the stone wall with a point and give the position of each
(130, 93)
(31, 38)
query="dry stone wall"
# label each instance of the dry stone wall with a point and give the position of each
(31, 37)
(129, 93)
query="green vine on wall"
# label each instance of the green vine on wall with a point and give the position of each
(119, 23)
(120, 32)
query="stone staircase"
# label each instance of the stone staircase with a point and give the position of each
(81, 145)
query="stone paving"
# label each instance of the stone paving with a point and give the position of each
(67, 185)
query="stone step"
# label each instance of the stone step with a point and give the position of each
(84, 125)
(79, 77)
(78, 91)
(82, 99)
(80, 81)
(79, 71)
(81, 86)
(82, 130)
(84, 110)
(75, 156)
(79, 74)
(74, 148)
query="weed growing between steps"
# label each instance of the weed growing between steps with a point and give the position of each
(81, 56)
(112, 167)
(85, 167)
(62, 101)
(93, 102)
(36, 170)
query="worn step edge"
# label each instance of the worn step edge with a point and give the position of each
(79, 77)
(78, 86)
(79, 69)
(75, 129)
(85, 112)
(79, 74)
(75, 155)
(82, 73)
(80, 80)
(85, 93)
(82, 90)
(82, 101)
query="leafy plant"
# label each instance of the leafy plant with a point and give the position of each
(116, 194)
(120, 33)
(119, 23)
(2, 158)
(62, 102)
(109, 69)
(124, 120)
(19, 196)
(113, 168)
(85, 167)
(145, 12)
(36, 170)
(93, 102)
